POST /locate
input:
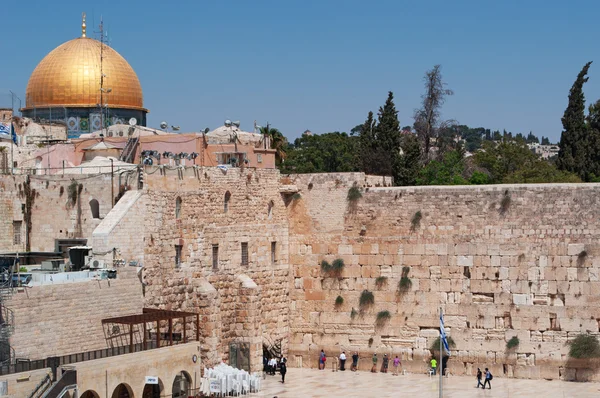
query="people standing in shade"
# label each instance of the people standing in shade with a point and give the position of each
(283, 368)
(434, 366)
(354, 361)
(488, 379)
(272, 366)
(385, 363)
(396, 364)
(479, 375)
(322, 360)
(343, 360)
(374, 368)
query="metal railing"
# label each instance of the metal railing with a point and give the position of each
(67, 381)
(41, 387)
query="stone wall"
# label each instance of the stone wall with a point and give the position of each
(231, 310)
(59, 207)
(501, 261)
(22, 384)
(61, 319)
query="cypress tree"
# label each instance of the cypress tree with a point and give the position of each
(388, 136)
(572, 155)
(367, 145)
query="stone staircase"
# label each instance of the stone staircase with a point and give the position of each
(129, 151)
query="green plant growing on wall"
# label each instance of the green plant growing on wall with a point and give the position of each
(354, 194)
(584, 346)
(505, 203)
(73, 192)
(296, 196)
(435, 346)
(23, 269)
(370, 341)
(339, 300)
(581, 258)
(353, 313)
(415, 222)
(512, 343)
(337, 267)
(325, 266)
(382, 318)
(380, 281)
(405, 283)
(367, 299)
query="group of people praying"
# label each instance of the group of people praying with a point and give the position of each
(396, 363)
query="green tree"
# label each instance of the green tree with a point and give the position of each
(572, 155)
(325, 153)
(545, 140)
(531, 138)
(278, 142)
(407, 166)
(447, 171)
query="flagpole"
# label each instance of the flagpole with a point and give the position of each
(12, 144)
(440, 365)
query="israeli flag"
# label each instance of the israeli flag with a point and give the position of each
(5, 130)
(443, 334)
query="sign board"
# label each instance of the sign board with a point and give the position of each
(151, 380)
(215, 385)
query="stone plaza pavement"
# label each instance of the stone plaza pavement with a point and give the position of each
(315, 383)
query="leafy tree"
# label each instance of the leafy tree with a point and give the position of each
(325, 153)
(356, 130)
(572, 155)
(545, 140)
(278, 142)
(380, 142)
(448, 171)
(540, 171)
(407, 166)
(428, 118)
(531, 138)
(497, 136)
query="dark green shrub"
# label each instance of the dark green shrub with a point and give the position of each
(581, 258)
(405, 283)
(296, 196)
(584, 346)
(512, 343)
(337, 266)
(382, 318)
(380, 281)
(353, 313)
(367, 299)
(325, 266)
(505, 203)
(354, 194)
(339, 300)
(416, 221)
(370, 341)
(435, 346)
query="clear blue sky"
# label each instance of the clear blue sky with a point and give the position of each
(322, 65)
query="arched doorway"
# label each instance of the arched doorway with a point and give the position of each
(181, 385)
(122, 391)
(89, 394)
(153, 390)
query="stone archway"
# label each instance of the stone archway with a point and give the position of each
(182, 385)
(153, 390)
(89, 394)
(123, 390)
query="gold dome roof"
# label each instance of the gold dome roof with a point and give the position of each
(70, 76)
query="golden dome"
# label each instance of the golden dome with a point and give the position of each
(70, 76)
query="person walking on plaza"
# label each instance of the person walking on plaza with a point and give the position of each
(479, 383)
(322, 360)
(384, 363)
(434, 366)
(488, 379)
(396, 364)
(354, 361)
(283, 368)
(374, 368)
(343, 361)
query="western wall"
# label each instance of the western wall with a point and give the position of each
(502, 261)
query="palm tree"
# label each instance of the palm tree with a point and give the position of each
(278, 142)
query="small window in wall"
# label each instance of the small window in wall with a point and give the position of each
(215, 256)
(244, 253)
(178, 251)
(178, 208)
(259, 157)
(95, 208)
(17, 232)
(226, 201)
(273, 252)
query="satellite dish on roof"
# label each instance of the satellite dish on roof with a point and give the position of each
(237, 124)
(163, 125)
(228, 123)
(132, 121)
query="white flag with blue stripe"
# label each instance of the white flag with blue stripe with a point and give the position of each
(443, 334)
(5, 130)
